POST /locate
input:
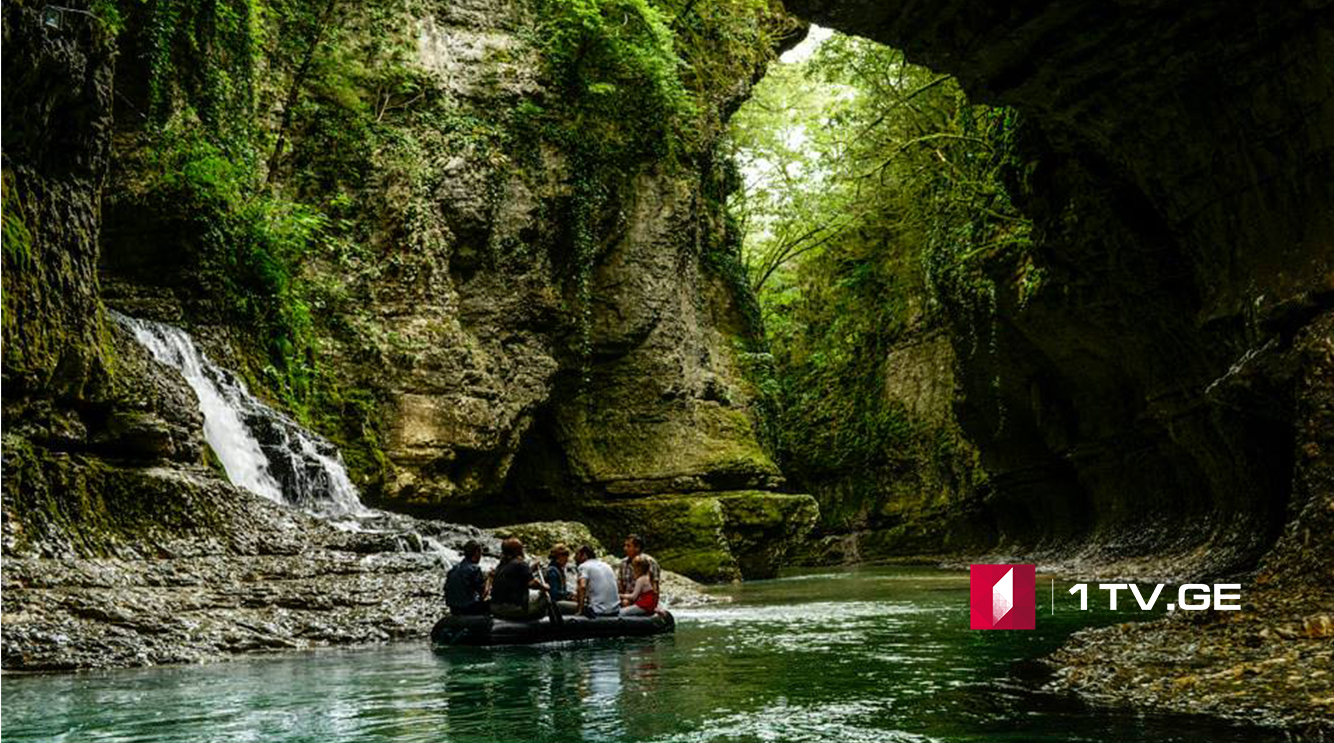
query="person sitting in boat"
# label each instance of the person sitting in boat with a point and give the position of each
(597, 586)
(642, 600)
(465, 586)
(557, 586)
(515, 592)
(625, 579)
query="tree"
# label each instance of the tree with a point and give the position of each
(871, 190)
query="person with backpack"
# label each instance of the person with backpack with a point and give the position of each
(465, 586)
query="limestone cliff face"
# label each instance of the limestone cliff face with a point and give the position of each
(923, 493)
(930, 504)
(657, 403)
(529, 398)
(487, 370)
(1143, 402)
(664, 406)
(518, 383)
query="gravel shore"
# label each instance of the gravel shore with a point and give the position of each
(1271, 663)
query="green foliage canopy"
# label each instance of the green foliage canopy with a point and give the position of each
(873, 193)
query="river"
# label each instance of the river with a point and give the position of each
(870, 654)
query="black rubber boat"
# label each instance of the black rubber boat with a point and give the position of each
(486, 630)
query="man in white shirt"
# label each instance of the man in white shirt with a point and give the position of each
(597, 595)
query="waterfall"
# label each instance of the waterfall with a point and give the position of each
(261, 449)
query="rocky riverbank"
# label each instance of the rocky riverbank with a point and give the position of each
(283, 580)
(276, 579)
(1270, 663)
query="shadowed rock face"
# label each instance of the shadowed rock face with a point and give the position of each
(56, 150)
(1183, 196)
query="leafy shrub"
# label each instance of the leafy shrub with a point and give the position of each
(247, 248)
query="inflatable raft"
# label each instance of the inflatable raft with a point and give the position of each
(487, 630)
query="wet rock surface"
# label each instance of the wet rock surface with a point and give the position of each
(1270, 663)
(213, 571)
(266, 578)
(304, 583)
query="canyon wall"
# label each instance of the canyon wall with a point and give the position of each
(1180, 174)
(494, 327)
(490, 348)
(918, 487)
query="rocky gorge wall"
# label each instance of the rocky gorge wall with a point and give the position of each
(920, 492)
(443, 322)
(483, 344)
(490, 362)
(1144, 400)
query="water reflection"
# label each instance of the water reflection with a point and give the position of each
(583, 691)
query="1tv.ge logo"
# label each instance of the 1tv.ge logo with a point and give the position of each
(1003, 596)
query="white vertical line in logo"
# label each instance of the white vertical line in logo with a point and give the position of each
(1002, 596)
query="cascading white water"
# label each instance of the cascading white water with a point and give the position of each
(262, 450)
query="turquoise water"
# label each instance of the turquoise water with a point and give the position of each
(863, 655)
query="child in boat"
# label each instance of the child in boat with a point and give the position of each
(642, 600)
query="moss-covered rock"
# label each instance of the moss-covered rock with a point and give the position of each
(763, 529)
(59, 504)
(711, 537)
(56, 134)
(539, 537)
(683, 532)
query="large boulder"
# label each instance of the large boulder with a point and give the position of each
(539, 537)
(711, 537)
(764, 529)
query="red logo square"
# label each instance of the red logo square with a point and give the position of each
(1002, 596)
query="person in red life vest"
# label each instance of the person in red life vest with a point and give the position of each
(642, 600)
